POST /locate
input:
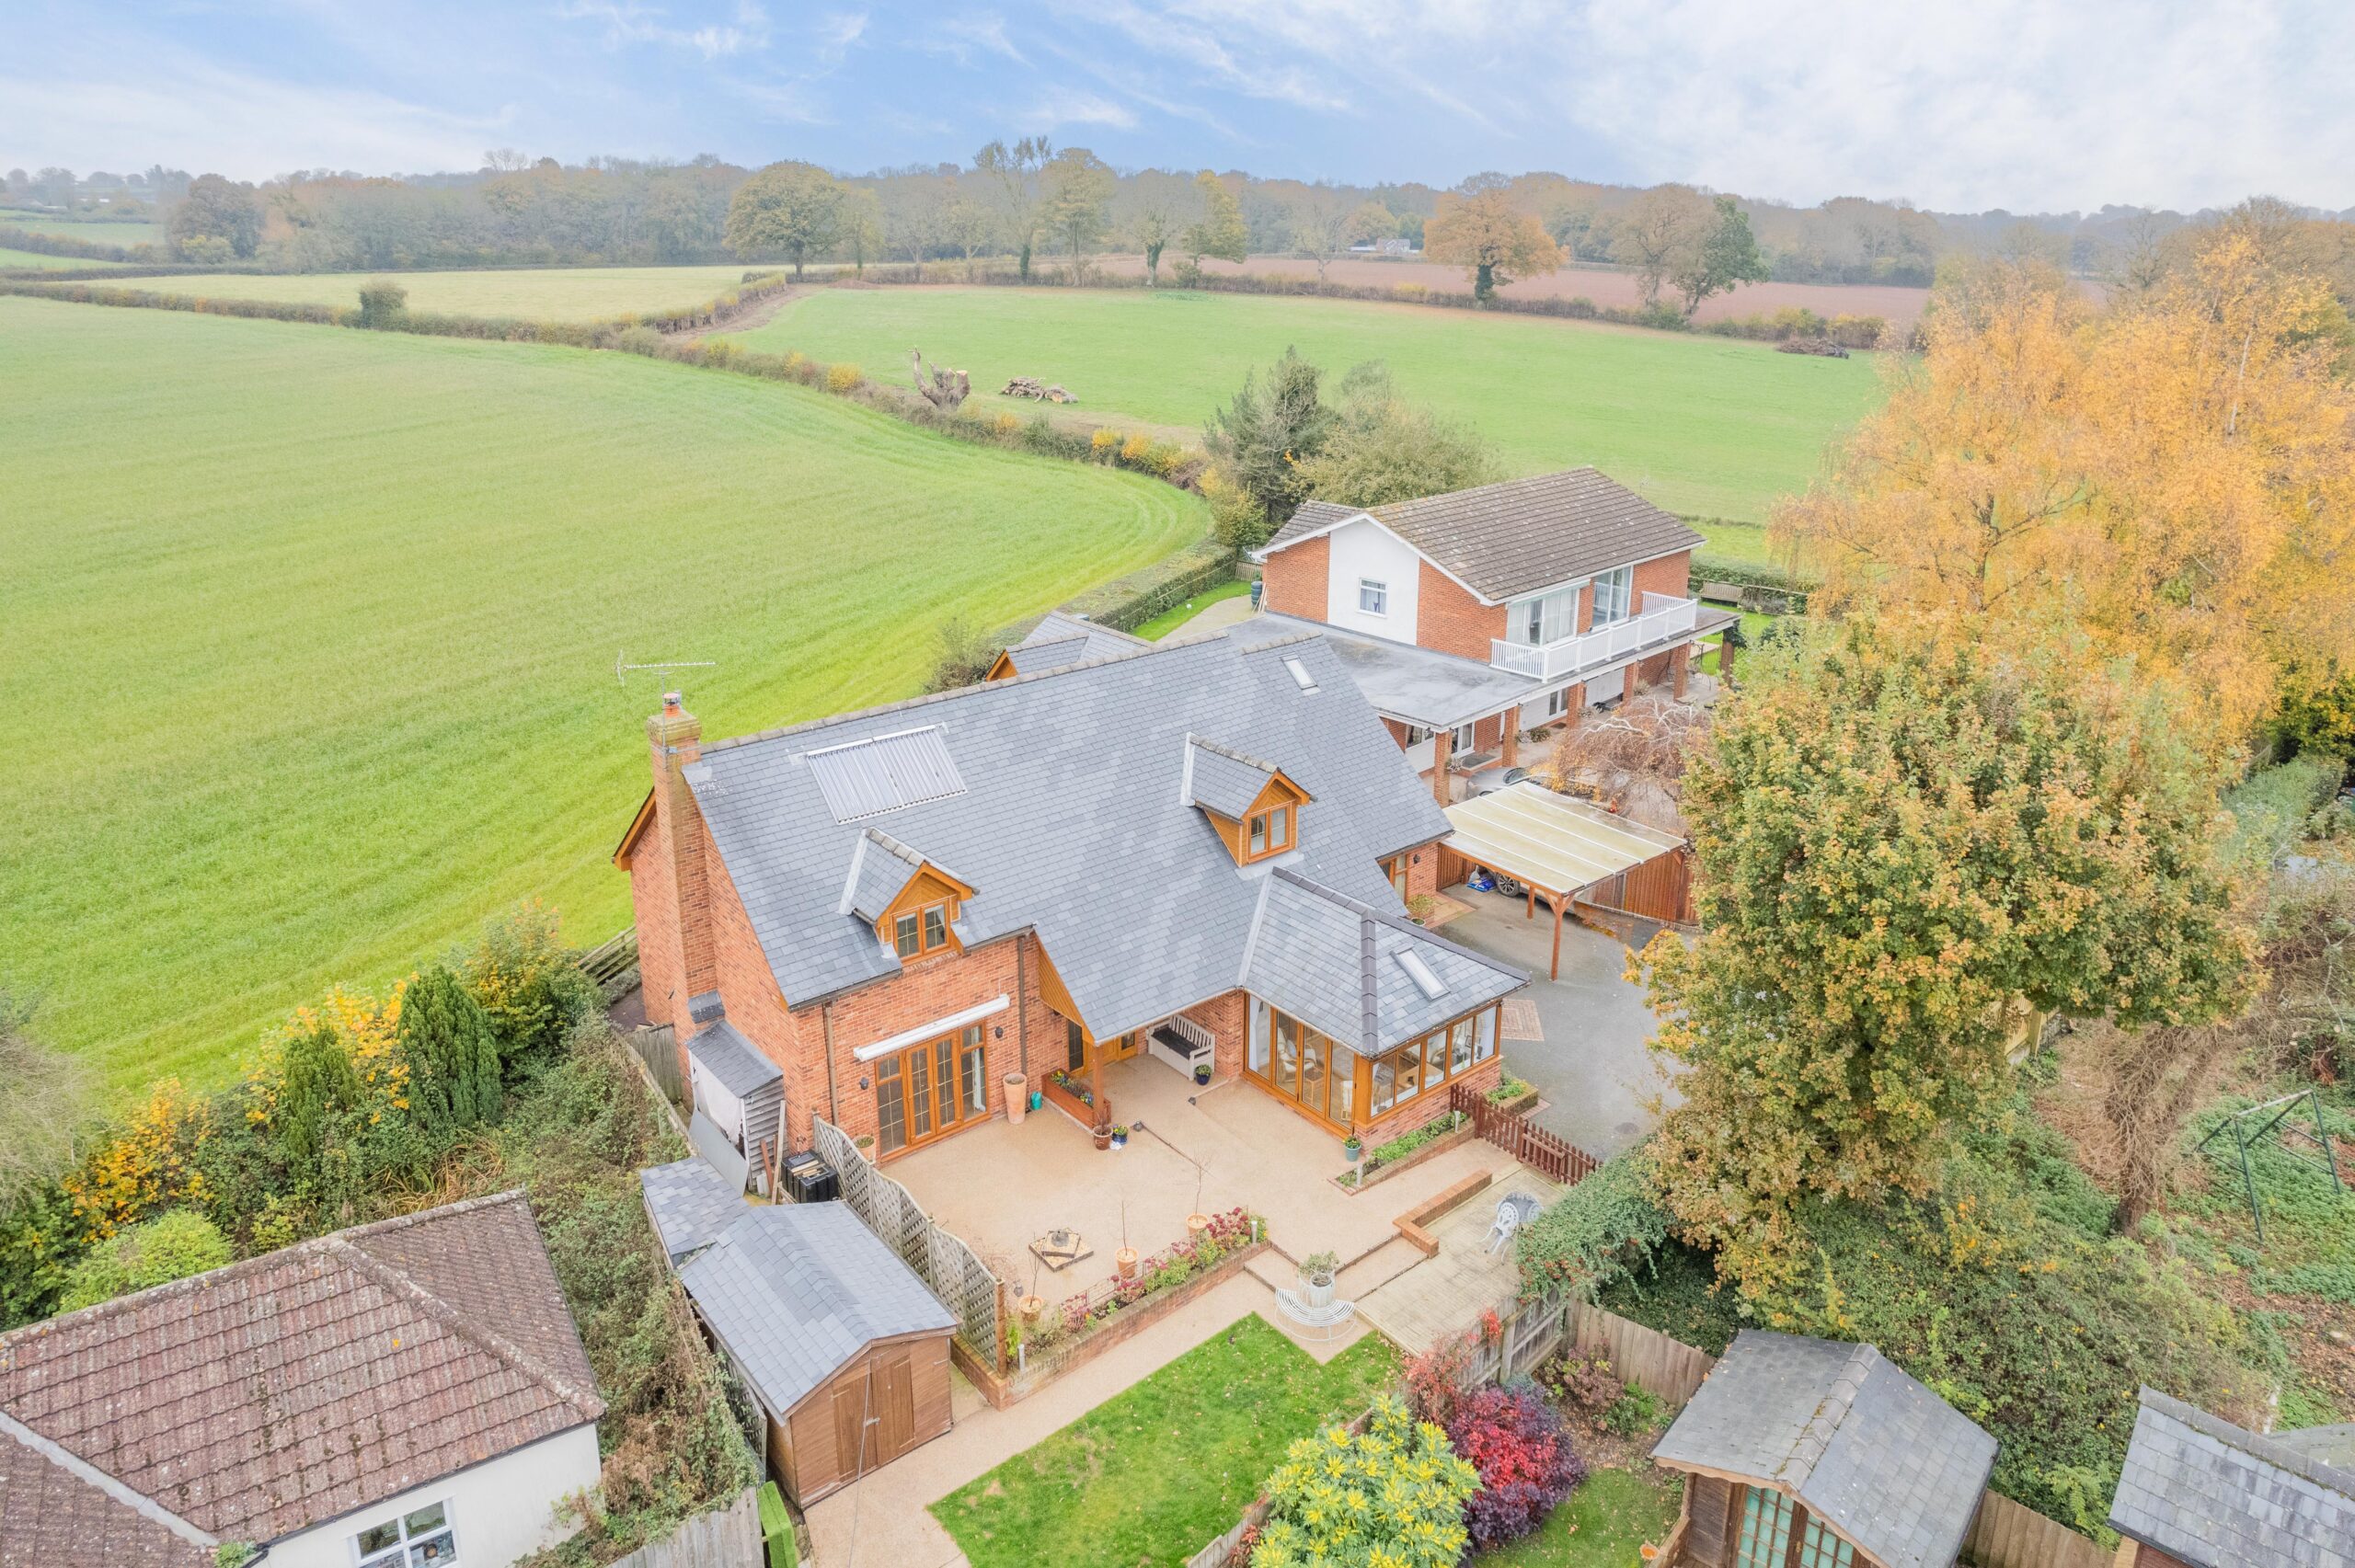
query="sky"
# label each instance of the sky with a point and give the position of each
(1954, 104)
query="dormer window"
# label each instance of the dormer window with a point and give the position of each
(1270, 834)
(916, 932)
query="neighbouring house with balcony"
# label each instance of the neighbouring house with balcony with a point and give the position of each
(1193, 856)
(1471, 619)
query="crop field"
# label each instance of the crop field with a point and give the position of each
(312, 650)
(125, 235)
(47, 263)
(1703, 426)
(552, 293)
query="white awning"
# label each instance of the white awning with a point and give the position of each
(1550, 841)
(933, 1030)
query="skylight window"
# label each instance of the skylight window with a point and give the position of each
(885, 772)
(1430, 984)
(1299, 675)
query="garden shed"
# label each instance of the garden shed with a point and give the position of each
(1812, 1453)
(841, 1344)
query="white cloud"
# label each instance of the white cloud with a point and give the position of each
(252, 127)
(1957, 104)
(1069, 106)
(626, 22)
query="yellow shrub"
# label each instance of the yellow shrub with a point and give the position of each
(1134, 449)
(795, 360)
(1103, 442)
(842, 378)
(1007, 426)
(150, 1166)
(1411, 292)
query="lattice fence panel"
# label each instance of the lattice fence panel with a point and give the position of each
(940, 1258)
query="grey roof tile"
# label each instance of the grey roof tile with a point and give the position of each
(740, 1067)
(2217, 1495)
(1060, 639)
(1072, 802)
(1519, 535)
(1884, 1460)
(689, 1203)
(796, 1290)
(1221, 779)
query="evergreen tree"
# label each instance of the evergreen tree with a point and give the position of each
(318, 1082)
(452, 1053)
(1264, 438)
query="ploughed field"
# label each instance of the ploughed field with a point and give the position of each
(548, 294)
(1704, 425)
(310, 635)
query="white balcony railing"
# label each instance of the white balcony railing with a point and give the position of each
(1662, 620)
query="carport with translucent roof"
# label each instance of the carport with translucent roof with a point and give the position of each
(1561, 848)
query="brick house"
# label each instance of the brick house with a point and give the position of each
(1195, 853)
(1472, 618)
(2198, 1492)
(397, 1395)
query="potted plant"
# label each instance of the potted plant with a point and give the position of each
(1017, 1099)
(1352, 1148)
(865, 1143)
(1031, 1307)
(1316, 1272)
(1103, 1136)
(1124, 1262)
(1202, 1074)
(1119, 1137)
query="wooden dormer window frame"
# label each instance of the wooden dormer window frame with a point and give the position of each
(920, 923)
(1270, 824)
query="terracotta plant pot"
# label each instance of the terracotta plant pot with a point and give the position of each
(1031, 1307)
(1197, 1225)
(1018, 1097)
(1124, 1262)
(1103, 1138)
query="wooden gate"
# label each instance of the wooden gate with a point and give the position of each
(1542, 1151)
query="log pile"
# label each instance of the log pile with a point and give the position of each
(1031, 386)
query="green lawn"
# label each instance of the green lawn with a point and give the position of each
(1151, 1474)
(124, 235)
(1605, 1523)
(309, 633)
(1704, 425)
(1169, 620)
(47, 263)
(585, 294)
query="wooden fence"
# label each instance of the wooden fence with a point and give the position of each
(613, 963)
(2007, 1535)
(1555, 1158)
(940, 1258)
(725, 1537)
(657, 1045)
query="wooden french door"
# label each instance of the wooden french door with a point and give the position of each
(930, 1091)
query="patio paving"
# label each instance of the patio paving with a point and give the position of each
(1445, 1295)
(1001, 1186)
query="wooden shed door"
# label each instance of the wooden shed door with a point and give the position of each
(853, 1441)
(895, 1403)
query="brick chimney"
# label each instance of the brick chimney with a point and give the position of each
(676, 959)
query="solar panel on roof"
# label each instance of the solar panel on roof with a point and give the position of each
(885, 772)
(1430, 984)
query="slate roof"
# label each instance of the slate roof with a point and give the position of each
(690, 1203)
(1071, 822)
(1413, 686)
(1519, 535)
(880, 865)
(1332, 962)
(263, 1398)
(1060, 639)
(742, 1067)
(796, 1290)
(1220, 779)
(1876, 1455)
(2216, 1495)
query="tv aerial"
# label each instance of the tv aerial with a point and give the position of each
(622, 671)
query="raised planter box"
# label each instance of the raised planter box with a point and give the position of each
(1519, 1106)
(1077, 1109)
(1435, 1148)
(1414, 1224)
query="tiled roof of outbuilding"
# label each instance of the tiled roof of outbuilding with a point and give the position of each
(2216, 1495)
(1059, 639)
(1518, 535)
(1882, 1459)
(260, 1399)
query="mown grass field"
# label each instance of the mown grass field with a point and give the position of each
(46, 262)
(124, 235)
(1704, 425)
(309, 634)
(556, 293)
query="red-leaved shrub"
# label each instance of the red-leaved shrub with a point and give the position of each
(1519, 1445)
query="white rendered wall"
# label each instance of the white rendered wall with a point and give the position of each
(502, 1509)
(1368, 550)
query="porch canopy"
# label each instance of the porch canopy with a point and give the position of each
(1560, 847)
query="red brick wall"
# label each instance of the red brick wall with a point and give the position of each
(1483, 1077)
(1450, 620)
(1670, 575)
(654, 905)
(748, 986)
(1228, 1018)
(1295, 578)
(1422, 870)
(2149, 1556)
(929, 989)
(1489, 734)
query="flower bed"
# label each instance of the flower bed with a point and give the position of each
(1075, 1099)
(1173, 1266)
(1434, 1137)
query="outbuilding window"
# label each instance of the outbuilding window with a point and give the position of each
(423, 1537)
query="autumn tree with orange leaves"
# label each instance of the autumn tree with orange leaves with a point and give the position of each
(2174, 478)
(1490, 239)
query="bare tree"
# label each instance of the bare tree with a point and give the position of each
(1633, 756)
(1151, 210)
(1015, 173)
(971, 228)
(1659, 231)
(1325, 221)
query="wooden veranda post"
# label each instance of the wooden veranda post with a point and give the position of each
(1558, 937)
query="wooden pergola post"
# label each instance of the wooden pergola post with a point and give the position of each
(1558, 937)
